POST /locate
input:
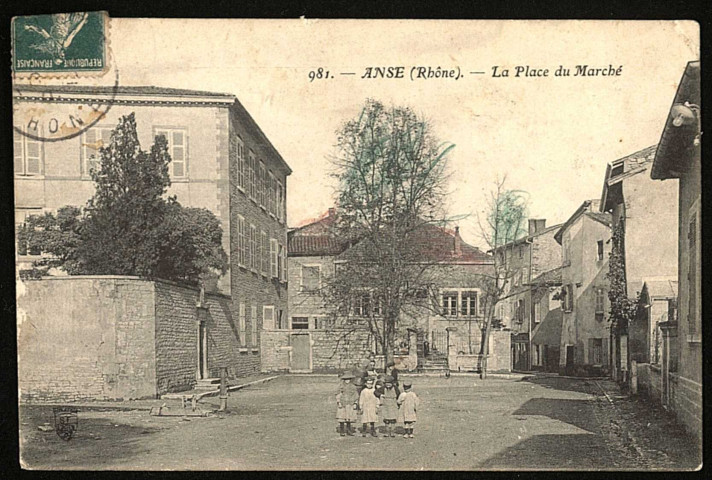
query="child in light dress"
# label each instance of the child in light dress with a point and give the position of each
(408, 402)
(368, 404)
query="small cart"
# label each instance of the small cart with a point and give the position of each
(65, 422)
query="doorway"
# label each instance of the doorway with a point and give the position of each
(203, 350)
(570, 357)
(301, 353)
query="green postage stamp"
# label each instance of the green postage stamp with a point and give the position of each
(60, 43)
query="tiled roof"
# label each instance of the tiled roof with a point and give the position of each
(316, 238)
(663, 288)
(528, 237)
(604, 218)
(586, 208)
(550, 277)
(430, 243)
(122, 90)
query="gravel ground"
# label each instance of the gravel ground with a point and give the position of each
(536, 422)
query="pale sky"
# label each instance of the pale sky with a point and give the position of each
(551, 136)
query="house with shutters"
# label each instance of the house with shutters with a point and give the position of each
(678, 160)
(585, 249)
(315, 337)
(221, 161)
(525, 259)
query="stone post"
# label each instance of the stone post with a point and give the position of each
(223, 389)
(669, 329)
(633, 377)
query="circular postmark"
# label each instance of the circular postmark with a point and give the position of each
(48, 112)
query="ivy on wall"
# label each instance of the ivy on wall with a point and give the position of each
(623, 308)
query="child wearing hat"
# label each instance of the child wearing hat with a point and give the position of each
(408, 402)
(368, 404)
(346, 404)
(389, 406)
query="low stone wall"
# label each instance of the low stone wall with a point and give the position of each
(686, 402)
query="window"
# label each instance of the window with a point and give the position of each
(449, 304)
(241, 241)
(177, 146)
(27, 155)
(253, 324)
(243, 333)
(281, 213)
(273, 252)
(311, 277)
(254, 254)
(93, 140)
(600, 304)
(468, 306)
(241, 165)
(300, 323)
(264, 254)
(268, 317)
(263, 187)
(537, 312)
(520, 313)
(362, 305)
(271, 194)
(599, 252)
(251, 177)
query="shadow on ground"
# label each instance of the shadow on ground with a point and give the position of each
(573, 412)
(580, 385)
(97, 441)
(543, 452)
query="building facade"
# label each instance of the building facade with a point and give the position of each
(640, 209)
(525, 259)
(316, 337)
(678, 156)
(585, 248)
(221, 161)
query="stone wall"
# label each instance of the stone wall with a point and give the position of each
(111, 337)
(685, 396)
(82, 338)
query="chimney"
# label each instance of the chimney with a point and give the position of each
(536, 225)
(458, 240)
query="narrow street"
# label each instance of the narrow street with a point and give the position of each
(523, 422)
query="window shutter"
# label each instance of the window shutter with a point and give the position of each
(273, 257)
(590, 351)
(253, 324)
(243, 332)
(18, 152)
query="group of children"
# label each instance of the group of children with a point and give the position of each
(376, 395)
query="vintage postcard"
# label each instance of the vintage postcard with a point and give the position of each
(357, 244)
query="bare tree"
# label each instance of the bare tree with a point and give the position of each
(505, 222)
(392, 177)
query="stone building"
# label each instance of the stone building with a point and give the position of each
(547, 320)
(640, 209)
(678, 156)
(524, 259)
(221, 161)
(585, 247)
(315, 336)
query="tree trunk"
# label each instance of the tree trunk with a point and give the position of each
(484, 346)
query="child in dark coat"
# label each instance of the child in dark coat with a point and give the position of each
(346, 404)
(389, 406)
